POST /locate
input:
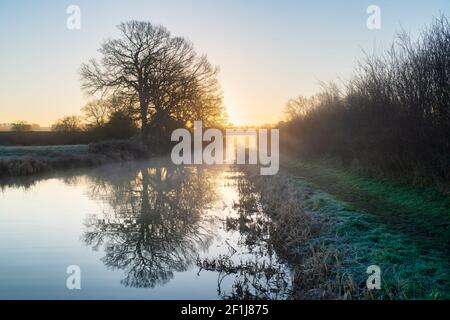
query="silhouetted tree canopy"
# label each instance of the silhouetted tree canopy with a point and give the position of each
(162, 75)
(21, 126)
(68, 124)
(393, 116)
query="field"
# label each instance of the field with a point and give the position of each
(21, 152)
(44, 138)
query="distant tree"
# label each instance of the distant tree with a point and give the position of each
(96, 113)
(68, 124)
(298, 107)
(120, 126)
(21, 126)
(162, 73)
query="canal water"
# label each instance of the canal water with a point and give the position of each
(142, 230)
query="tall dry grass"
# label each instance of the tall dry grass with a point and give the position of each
(298, 236)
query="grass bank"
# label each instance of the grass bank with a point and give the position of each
(27, 160)
(354, 221)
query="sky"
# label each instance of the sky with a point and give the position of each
(268, 50)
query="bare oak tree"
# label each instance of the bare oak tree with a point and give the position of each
(164, 74)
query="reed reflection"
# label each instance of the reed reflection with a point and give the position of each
(255, 268)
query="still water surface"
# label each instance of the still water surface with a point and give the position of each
(146, 230)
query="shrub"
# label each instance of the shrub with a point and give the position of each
(393, 117)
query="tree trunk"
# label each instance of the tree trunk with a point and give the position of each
(144, 124)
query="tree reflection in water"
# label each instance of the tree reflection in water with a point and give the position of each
(257, 271)
(153, 227)
(163, 219)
